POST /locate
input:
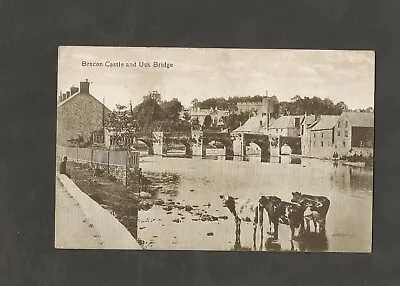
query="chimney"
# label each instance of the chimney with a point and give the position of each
(68, 94)
(74, 90)
(60, 97)
(64, 96)
(84, 86)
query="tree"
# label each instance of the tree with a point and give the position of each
(369, 109)
(172, 109)
(121, 122)
(195, 103)
(186, 116)
(148, 112)
(341, 107)
(207, 122)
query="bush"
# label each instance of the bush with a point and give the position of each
(98, 172)
(112, 178)
(359, 158)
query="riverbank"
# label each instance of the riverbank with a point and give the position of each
(125, 205)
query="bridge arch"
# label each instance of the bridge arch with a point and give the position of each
(223, 138)
(148, 142)
(261, 141)
(183, 138)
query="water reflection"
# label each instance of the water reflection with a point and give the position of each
(348, 178)
(254, 158)
(308, 242)
(313, 242)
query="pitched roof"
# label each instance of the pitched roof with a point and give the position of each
(308, 119)
(284, 122)
(325, 122)
(75, 94)
(68, 99)
(252, 125)
(360, 119)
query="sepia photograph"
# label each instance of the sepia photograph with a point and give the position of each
(214, 149)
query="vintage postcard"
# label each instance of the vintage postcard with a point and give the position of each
(214, 149)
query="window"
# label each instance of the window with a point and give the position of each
(281, 129)
(344, 144)
(346, 134)
(338, 124)
(297, 122)
(314, 143)
(276, 130)
(346, 124)
(322, 143)
(338, 134)
(322, 135)
(314, 135)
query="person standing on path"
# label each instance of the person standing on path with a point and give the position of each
(63, 167)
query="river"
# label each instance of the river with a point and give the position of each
(349, 220)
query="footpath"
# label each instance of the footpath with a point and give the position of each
(80, 223)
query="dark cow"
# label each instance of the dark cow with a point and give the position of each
(244, 210)
(272, 205)
(288, 213)
(319, 206)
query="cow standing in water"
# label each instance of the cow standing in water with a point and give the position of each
(318, 206)
(247, 211)
(288, 213)
(272, 205)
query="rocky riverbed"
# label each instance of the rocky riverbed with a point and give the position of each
(159, 190)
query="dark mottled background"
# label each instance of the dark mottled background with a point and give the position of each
(30, 32)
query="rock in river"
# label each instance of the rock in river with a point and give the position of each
(167, 208)
(145, 195)
(159, 202)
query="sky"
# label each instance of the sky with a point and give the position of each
(203, 73)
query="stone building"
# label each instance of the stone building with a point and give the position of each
(305, 134)
(79, 114)
(218, 116)
(286, 126)
(322, 136)
(355, 131)
(260, 108)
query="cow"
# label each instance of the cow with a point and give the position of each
(247, 211)
(288, 213)
(272, 205)
(318, 206)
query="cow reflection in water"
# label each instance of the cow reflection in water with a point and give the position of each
(309, 242)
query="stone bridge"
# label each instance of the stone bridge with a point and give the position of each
(195, 142)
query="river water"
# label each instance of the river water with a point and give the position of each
(349, 220)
